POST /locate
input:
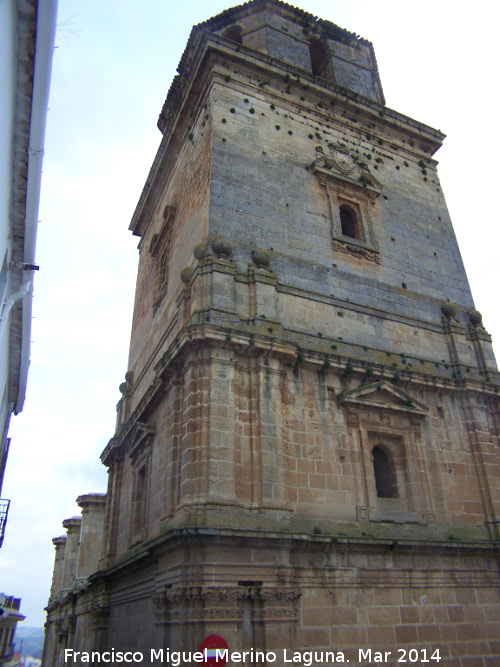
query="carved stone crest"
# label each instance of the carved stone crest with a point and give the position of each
(343, 161)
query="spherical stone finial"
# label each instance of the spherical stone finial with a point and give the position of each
(222, 247)
(186, 274)
(261, 258)
(476, 318)
(448, 310)
(123, 387)
(200, 251)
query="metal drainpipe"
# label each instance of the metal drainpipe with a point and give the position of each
(11, 300)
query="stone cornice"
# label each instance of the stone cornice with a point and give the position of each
(189, 536)
(198, 335)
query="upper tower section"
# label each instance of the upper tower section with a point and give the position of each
(279, 161)
(295, 37)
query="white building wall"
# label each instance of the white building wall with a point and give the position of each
(27, 31)
(8, 83)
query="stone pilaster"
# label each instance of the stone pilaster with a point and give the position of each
(57, 576)
(73, 527)
(485, 458)
(92, 532)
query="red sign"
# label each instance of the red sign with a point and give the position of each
(214, 650)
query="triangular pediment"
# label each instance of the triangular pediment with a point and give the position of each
(139, 439)
(384, 395)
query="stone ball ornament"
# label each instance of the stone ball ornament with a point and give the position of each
(186, 274)
(261, 258)
(448, 310)
(200, 251)
(476, 318)
(222, 247)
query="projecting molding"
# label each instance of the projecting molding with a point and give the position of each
(140, 439)
(384, 395)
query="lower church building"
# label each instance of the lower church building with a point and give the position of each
(306, 456)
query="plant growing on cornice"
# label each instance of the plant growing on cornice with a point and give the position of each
(348, 370)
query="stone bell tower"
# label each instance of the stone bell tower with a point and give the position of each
(306, 452)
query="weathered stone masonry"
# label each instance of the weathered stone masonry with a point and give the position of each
(306, 451)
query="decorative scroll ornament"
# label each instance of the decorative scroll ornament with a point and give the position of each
(356, 251)
(66, 624)
(352, 418)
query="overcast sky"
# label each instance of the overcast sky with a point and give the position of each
(113, 65)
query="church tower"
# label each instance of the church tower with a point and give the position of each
(306, 451)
